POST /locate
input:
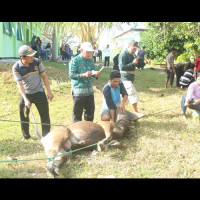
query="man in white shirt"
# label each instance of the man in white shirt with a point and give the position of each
(95, 54)
(107, 55)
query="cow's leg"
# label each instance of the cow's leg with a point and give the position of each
(50, 164)
(108, 128)
(60, 159)
(74, 140)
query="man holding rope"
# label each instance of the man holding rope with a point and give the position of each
(27, 73)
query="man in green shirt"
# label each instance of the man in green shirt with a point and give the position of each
(81, 69)
(127, 64)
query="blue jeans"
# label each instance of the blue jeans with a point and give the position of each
(183, 108)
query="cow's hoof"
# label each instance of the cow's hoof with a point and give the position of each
(82, 142)
(56, 173)
(100, 146)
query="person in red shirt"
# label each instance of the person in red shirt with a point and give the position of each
(196, 67)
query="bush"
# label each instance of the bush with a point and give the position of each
(184, 57)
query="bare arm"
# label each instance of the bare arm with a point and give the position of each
(22, 92)
(112, 114)
(46, 83)
(122, 104)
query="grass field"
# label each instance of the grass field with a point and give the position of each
(162, 145)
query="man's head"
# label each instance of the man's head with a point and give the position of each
(114, 78)
(26, 53)
(173, 50)
(132, 47)
(107, 46)
(86, 50)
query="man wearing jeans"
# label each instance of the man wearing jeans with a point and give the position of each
(28, 72)
(192, 98)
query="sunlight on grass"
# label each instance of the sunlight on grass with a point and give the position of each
(161, 145)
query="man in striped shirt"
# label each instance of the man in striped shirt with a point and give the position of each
(187, 78)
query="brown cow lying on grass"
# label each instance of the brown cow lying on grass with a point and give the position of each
(81, 134)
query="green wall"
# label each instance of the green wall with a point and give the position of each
(9, 44)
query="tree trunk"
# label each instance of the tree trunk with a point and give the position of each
(53, 58)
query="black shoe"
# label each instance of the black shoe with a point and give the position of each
(30, 138)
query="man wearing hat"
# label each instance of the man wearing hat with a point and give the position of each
(27, 73)
(127, 64)
(80, 73)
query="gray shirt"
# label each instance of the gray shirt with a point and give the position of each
(30, 76)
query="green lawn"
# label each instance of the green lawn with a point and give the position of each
(157, 146)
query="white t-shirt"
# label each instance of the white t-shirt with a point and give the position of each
(107, 52)
(95, 52)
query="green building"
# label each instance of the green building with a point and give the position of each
(15, 34)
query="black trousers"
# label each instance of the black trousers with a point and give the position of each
(41, 103)
(107, 60)
(94, 57)
(86, 104)
(141, 64)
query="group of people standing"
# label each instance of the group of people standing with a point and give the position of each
(188, 77)
(66, 52)
(81, 71)
(29, 73)
(36, 44)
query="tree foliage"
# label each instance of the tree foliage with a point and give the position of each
(162, 36)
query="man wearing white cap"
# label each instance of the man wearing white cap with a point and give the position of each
(28, 72)
(80, 73)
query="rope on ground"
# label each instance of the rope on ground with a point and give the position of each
(161, 111)
(50, 158)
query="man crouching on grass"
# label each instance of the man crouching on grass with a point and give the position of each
(192, 98)
(112, 99)
(27, 73)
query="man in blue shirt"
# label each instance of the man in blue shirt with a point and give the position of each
(112, 99)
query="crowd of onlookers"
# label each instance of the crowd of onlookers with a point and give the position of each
(66, 52)
(42, 52)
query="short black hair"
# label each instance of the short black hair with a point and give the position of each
(115, 74)
(173, 49)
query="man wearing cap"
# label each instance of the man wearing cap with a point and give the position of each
(127, 64)
(27, 73)
(80, 73)
(169, 67)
